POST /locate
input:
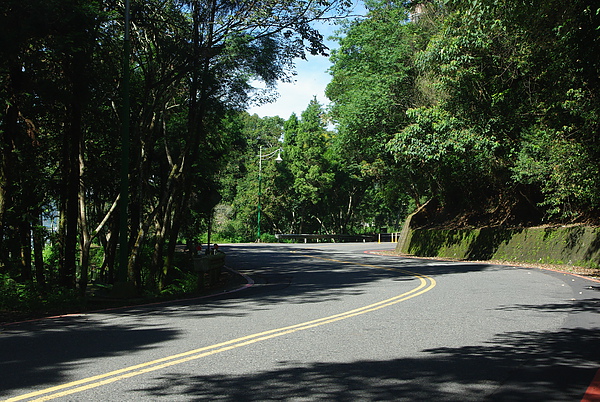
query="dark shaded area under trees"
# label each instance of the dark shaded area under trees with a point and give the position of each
(61, 68)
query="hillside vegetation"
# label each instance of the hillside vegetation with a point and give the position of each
(490, 109)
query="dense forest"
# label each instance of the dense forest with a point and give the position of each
(124, 134)
(489, 108)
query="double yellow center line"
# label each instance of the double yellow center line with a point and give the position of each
(426, 283)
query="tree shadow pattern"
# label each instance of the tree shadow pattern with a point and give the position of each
(517, 366)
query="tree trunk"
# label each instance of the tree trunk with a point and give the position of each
(157, 263)
(85, 240)
(4, 172)
(173, 235)
(8, 135)
(109, 243)
(5, 177)
(70, 170)
(134, 266)
(38, 248)
(70, 213)
(25, 234)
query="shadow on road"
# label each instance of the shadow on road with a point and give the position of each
(47, 353)
(574, 306)
(56, 347)
(559, 366)
(304, 276)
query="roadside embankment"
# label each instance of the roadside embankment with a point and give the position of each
(564, 245)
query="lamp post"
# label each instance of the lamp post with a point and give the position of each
(262, 157)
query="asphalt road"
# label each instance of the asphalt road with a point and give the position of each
(325, 322)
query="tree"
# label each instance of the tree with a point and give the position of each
(310, 167)
(191, 67)
(372, 87)
(45, 64)
(228, 44)
(505, 79)
(240, 179)
(372, 83)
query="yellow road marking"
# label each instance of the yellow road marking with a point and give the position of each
(426, 283)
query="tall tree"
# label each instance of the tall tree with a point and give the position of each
(225, 45)
(310, 167)
(373, 84)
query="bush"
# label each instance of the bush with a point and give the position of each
(268, 238)
(26, 297)
(10, 291)
(186, 283)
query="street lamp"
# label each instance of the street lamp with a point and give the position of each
(261, 158)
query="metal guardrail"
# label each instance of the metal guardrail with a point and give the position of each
(380, 237)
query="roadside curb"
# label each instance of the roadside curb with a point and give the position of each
(490, 262)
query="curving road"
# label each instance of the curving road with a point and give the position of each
(326, 322)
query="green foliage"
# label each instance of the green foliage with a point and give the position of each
(308, 157)
(268, 238)
(11, 292)
(504, 107)
(186, 283)
(489, 107)
(567, 175)
(372, 86)
(192, 67)
(51, 254)
(232, 232)
(26, 297)
(371, 80)
(457, 162)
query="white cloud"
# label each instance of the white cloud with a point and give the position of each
(294, 97)
(311, 80)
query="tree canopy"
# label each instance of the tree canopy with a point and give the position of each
(191, 64)
(489, 108)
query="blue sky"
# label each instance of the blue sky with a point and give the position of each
(311, 80)
(294, 97)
